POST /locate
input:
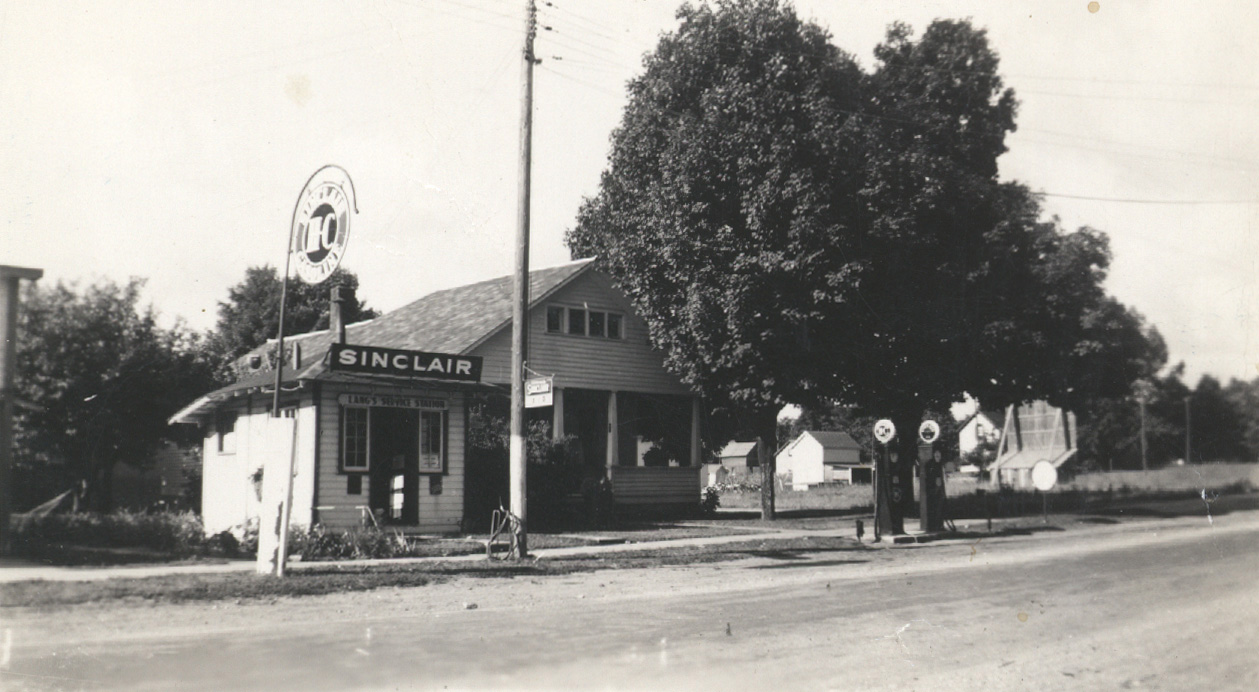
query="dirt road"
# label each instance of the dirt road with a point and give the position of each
(1169, 604)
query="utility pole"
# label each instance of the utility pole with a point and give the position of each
(1187, 431)
(518, 454)
(10, 277)
(1144, 465)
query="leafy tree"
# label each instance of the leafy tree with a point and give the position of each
(1244, 398)
(720, 202)
(1219, 434)
(251, 313)
(101, 378)
(794, 230)
(1109, 418)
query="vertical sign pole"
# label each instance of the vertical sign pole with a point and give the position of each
(520, 295)
(9, 278)
(282, 551)
(1187, 429)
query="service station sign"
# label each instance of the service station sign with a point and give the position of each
(373, 360)
(321, 224)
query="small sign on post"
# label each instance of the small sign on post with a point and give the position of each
(539, 392)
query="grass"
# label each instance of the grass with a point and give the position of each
(1217, 478)
(310, 581)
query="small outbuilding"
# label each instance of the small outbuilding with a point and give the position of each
(823, 456)
(733, 463)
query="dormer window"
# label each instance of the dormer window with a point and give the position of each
(582, 322)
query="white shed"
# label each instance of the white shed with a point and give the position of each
(823, 456)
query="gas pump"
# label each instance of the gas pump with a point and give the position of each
(930, 478)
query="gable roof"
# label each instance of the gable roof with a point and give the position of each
(829, 439)
(833, 439)
(737, 449)
(453, 320)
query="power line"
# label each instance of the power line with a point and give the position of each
(1120, 200)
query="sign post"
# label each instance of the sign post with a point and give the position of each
(10, 277)
(318, 233)
(1044, 478)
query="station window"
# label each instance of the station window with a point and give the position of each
(225, 432)
(355, 440)
(582, 322)
(432, 437)
(576, 321)
(554, 318)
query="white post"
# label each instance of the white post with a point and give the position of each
(614, 436)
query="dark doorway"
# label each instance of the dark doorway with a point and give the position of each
(394, 454)
(586, 418)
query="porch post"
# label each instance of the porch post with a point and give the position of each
(614, 425)
(696, 452)
(557, 413)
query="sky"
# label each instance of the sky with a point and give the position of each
(170, 140)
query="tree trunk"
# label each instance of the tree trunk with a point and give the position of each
(905, 449)
(766, 429)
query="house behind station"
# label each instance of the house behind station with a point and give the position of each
(823, 456)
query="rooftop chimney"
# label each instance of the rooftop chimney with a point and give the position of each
(341, 297)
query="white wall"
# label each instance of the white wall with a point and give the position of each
(804, 459)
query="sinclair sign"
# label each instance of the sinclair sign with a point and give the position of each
(373, 360)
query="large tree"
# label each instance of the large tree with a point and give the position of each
(251, 313)
(720, 204)
(99, 378)
(793, 229)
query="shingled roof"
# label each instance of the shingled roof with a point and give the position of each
(453, 320)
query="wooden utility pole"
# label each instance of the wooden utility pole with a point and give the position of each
(518, 454)
(1144, 464)
(1187, 430)
(10, 277)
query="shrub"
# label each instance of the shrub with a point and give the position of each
(712, 500)
(176, 533)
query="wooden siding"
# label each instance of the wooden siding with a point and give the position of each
(438, 513)
(229, 498)
(626, 364)
(656, 485)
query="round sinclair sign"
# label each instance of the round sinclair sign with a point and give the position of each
(1044, 475)
(884, 431)
(929, 431)
(321, 223)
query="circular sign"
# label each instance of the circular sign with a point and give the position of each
(884, 431)
(1044, 475)
(929, 431)
(321, 223)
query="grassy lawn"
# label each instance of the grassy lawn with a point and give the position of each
(324, 580)
(850, 499)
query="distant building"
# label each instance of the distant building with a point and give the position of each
(1031, 433)
(823, 456)
(734, 462)
(980, 427)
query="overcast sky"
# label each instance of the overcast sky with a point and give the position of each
(170, 140)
